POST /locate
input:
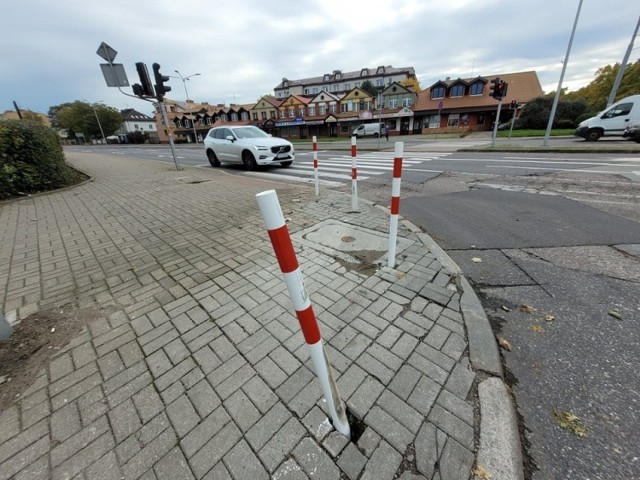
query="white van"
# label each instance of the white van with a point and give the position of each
(369, 129)
(612, 121)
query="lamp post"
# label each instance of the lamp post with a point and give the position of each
(93, 105)
(184, 82)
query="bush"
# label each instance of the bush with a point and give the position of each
(31, 159)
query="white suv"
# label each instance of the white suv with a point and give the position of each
(247, 145)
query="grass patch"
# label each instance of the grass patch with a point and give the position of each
(536, 133)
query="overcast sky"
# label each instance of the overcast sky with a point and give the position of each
(244, 48)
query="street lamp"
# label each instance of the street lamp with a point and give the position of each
(93, 105)
(184, 82)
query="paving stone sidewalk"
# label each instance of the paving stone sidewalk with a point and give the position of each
(196, 367)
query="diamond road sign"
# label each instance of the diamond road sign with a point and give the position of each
(106, 52)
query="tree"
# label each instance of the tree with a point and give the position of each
(535, 114)
(80, 117)
(368, 87)
(596, 93)
(412, 84)
(34, 117)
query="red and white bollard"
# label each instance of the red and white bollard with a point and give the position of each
(354, 176)
(281, 241)
(395, 203)
(315, 165)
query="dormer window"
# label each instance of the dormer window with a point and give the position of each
(457, 90)
(437, 92)
(364, 72)
(477, 88)
(380, 70)
(326, 77)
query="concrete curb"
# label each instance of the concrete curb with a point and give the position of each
(500, 454)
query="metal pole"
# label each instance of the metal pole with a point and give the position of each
(165, 122)
(290, 268)
(564, 68)
(99, 124)
(623, 66)
(495, 125)
(513, 120)
(395, 204)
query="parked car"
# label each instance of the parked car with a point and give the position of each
(247, 145)
(612, 121)
(632, 132)
(366, 129)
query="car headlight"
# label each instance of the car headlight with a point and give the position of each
(582, 124)
(261, 148)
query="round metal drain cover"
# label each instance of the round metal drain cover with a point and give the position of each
(348, 239)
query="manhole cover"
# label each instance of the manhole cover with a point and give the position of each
(348, 239)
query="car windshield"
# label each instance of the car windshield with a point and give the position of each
(249, 132)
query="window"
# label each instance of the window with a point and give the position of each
(224, 117)
(234, 117)
(454, 119)
(136, 126)
(332, 108)
(301, 111)
(393, 102)
(335, 88)
(457, 90)
(209, 120)
(406, 102)
(380, 82)
(325, 88)
(273, 114)
(477, 88)
(323, 109)
(245, 116)
(315, 89)
(307, 91)
(347, 86)
(481, 119)
(292, 112)
(434, 121)
(264, 115)
(312, 110)
(619, 110)
(150, 127)
(437, 92)
(283, 114)
(255, 115)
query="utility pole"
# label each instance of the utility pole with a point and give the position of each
(104, 139)
(564, 68)
(623, 66)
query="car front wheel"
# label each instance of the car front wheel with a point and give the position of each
(376, 135)
(213, 159)
(249, 160)
(592, 135)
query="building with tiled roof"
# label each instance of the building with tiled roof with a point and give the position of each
(466, 102)
(341, 82)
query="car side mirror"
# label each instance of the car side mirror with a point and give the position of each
(230, 138)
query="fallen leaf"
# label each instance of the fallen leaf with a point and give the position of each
(537, 328)
(482, 473)
(504, 344)
(506, 309)
(615, 313)
(549, 318)
(527, 309)
(476, 260)
(401, 274)
(570, 422)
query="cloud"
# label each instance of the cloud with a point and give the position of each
(243, 49)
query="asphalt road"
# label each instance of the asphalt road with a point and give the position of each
(575, 262)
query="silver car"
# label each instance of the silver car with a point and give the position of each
(247, 145)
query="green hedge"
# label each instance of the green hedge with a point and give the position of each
(31, 159)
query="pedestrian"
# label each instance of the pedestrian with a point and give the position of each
(386, 132)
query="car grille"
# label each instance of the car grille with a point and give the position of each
(282, 149)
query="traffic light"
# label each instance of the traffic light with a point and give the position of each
(161, 88)
(514, 105)
(498, 88)
(145, 88)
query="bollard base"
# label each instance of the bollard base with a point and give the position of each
(5, 328)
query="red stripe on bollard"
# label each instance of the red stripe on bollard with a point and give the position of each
(397, 167)
(354, 173)
(315, 146)
(395, 205)
(309, 325)
(353, 150)
(284, 249)
(315, 163)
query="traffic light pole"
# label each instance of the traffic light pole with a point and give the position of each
(165, 122)
(495, 125)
